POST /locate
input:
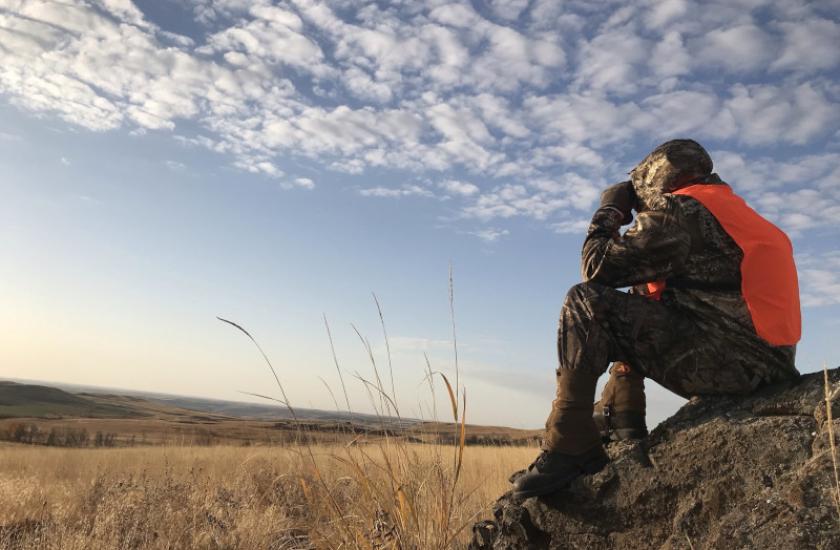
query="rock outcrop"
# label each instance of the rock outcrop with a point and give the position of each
(722, 473)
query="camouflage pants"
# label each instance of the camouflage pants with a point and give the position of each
(599, 325)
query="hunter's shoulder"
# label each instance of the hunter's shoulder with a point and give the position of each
(686, 211)
(683, 204)
(687, 205)
(671, 208)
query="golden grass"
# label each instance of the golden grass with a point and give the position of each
(240, 497)
(362, 494)
(397, 497)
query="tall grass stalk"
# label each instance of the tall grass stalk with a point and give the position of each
(404, 500)
(387, 346)
(369, 351)
(454, 333)
(288, 405)
(337, 368)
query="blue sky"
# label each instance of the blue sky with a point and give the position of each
(167, 162)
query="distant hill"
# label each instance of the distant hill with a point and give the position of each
(233, 409)
(132, 417)
(35, 401)
(238, 409)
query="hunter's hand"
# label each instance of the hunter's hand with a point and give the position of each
(622, 198)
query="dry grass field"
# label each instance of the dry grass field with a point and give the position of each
(384, 495)
(166, 477)
(158, 476)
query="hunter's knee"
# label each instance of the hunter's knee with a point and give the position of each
(586, 296)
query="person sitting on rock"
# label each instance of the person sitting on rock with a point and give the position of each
(721, 314)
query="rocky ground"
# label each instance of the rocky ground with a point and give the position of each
(722, 473)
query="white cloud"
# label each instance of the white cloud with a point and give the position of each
(520, 109)
(765, 173)
(665, 11)
(684, 112)
(125, 10)
(554, 16)
(304, 183)
(457, 187)
(513, 60)
(497, 113)
(508, 9)
(578, 226)
(510, 201)
(809, 46)
(363, 85)
(275, 35)
(613, 61)
(396, 192)
(670, 57)
(580, 118)
(770, 114)
(456, 15)
(260, 166)
(464, 134)
(489, 235)
(743, 48)
(65, 161)
(819, 279)
(798, 194)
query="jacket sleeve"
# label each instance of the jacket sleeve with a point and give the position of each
(654, 248)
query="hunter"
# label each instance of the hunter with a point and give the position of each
(714, 308)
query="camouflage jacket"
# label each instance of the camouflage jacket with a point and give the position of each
(682, 243)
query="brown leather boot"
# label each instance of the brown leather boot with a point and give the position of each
(570, 428)
(620, 413)
(572, 446)
(551, 472)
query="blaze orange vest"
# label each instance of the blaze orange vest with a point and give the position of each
(769, 282)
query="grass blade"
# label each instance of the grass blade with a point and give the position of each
(267, 361)
(452, 400)
(387, 346)
(337, 368)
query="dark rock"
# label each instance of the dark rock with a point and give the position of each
(722, 473)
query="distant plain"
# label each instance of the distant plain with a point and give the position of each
(95, 471)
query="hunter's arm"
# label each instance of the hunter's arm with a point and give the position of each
(654, 248)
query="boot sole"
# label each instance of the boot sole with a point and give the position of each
(592, 467)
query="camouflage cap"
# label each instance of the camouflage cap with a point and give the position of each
(667, 168)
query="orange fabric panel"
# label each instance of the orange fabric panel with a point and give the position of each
(655, 289)
(769, 282)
